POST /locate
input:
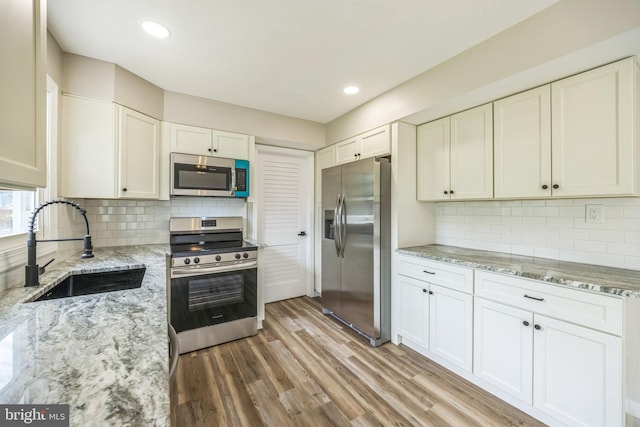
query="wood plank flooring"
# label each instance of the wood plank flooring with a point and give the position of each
(306, 369)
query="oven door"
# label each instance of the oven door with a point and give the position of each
(193, 175)
(205, 296)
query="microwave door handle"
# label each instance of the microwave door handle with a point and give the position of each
(233, 181)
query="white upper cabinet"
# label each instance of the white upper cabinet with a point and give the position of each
(455, 156)
(522, 144)
(434, 180)
(230, 145)
(324, 158)
(207, 142)
(189, 139)
(108, 151)
(376, 142)
(23, 89)
(472, 154)
(87, 148)
(594, 143)
(138, 155)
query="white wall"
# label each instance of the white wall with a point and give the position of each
(268, 128)
(553, 229)
(568, 37)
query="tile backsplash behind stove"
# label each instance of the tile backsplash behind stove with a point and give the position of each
(137, 222)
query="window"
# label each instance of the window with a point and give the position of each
(15, 210)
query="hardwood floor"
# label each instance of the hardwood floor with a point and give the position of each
(306, 369)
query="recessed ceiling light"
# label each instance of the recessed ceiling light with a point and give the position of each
(155, 29)
(351, 90)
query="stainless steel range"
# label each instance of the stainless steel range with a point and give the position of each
(213, 281)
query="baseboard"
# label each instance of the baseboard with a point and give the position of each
(633, 408)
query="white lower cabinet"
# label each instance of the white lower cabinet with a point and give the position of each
(435, 319)
(503, 347)
(577, 373)
(552, 347)
(562, 354)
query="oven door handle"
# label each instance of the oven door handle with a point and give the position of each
(199, 271)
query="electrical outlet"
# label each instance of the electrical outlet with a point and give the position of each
(593, 214)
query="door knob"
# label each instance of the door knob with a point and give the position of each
(302, 233)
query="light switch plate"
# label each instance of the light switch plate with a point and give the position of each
(593, 214)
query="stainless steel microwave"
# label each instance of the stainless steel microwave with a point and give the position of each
(193, 175)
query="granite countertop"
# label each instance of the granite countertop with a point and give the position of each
(608, 280)
(106, 355)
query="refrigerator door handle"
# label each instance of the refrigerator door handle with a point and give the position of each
(336, 226)
(343, 224)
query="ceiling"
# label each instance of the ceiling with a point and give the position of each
(291, 57)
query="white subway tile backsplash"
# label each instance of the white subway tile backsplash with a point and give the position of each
(546, 228)
(135, 222)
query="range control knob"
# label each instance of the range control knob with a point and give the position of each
(196, 260)
(187, 261)
(218, 257)
(245, 255)
(237, 256)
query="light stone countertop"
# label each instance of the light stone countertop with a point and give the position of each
(596, 278)
(106, 355)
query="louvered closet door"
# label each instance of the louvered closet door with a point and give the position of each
(283, 187)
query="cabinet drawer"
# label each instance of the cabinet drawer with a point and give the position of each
(600, 312)
(447, 275)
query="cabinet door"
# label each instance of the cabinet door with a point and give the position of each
(433, 160)
(414, 316)
(522, 144)
(324, 158)
(87, 148)
(190, 140)
(503, 347)
(23, 87)
(577, 374)
(451, 325)
(347, 151)
(230, 145)
(138, 155)
(376, 142)
(472, 154)
(593, 132)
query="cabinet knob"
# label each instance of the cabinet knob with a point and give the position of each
(446, 192)
(451, 192)
(556, 186)
(525, 323)
(538, 327)
(124, 189)
(544, 187)
(215, 150)
(430, 292)
(209, 149)
(424, 290)
(355, 155)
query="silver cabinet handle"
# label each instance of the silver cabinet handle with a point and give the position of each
(534, 298)
(175, 352)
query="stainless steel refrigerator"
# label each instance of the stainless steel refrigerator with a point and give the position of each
(356, 240)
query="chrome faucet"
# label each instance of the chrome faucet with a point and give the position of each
(32, 270)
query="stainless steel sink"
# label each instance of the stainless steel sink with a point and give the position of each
(95, 283)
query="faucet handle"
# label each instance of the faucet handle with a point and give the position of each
(41, 269)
